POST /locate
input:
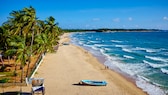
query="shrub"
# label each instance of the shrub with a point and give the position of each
(4, 80)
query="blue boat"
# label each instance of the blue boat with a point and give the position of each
(93, 82)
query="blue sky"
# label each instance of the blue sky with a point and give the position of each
(91, 14)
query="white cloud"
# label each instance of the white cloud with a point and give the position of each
(96, 19)
(165, 18)
(137, 26)
(87, 25)
(130, 19)
(116, 20)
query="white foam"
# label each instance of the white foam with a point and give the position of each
(151, 89)
(108, 49)
(81, 43)
(164, 70)
(116, 41)
(131, 69)
(102, 45)
(88, 45)
(139, 48)
(121, 46)
(129, 57)
(141, 82)
(95, 48)
(155, 65)
(127, 50)
(165, 53)
(157, 58)
(102, 51)
(95, 41)
(149, 50)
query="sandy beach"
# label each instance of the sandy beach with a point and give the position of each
(64, 69)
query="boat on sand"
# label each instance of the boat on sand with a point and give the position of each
(93, 82)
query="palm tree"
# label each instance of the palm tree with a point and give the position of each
(2, 41)
(23, 23)
(43, 43)
(52, 30)
(31, 22)
(20, 50)
(26, 35)
(4, 35)
(30, 29)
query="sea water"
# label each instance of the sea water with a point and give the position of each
(141, 55)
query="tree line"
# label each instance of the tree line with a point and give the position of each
(111, 30)
(23, 35)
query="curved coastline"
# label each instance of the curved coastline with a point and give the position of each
(136, 80)
(64, 69)
(114, 74)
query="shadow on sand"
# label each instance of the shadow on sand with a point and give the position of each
(16, 93)
(78, 84)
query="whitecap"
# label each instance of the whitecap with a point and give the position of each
(121, 46)
(126, 50)
(157, 58)
(108, 49)
(116, 41)
(129, 57)
(95, 48)
(95, 41)
(102, 45)
(164, 70)
(139, 48)
(149, 50)
(87, 45)
(146, 85)
(102, 51)
(152, 50)
(165, 53)
(81, 43)
(155, 65)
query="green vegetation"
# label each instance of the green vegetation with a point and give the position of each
(23, 35)
(111, 30)
(4, 80)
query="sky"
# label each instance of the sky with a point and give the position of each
(93, 14)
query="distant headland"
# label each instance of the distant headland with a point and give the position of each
(112, 30)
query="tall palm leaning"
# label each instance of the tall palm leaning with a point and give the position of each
(20, 49)
(42, 41)
(30, 29)
(4, 35)
(52, 30)
(31, 20)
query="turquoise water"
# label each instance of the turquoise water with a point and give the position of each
(142, 55)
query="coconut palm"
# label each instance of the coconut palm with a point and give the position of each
(52, 30)
(30, 29)
(27, 35)
(23, 23)
(2, 41)
(30, 13)
(4, 35)
(20, 50)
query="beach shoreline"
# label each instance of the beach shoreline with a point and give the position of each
(64, 69)
(101, 64)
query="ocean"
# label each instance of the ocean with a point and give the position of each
(142, 56)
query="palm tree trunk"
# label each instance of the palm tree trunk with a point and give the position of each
(27, 73)
(1, 60)
(31, 49)
(21, 79)
(8, 59)
(15, 74)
